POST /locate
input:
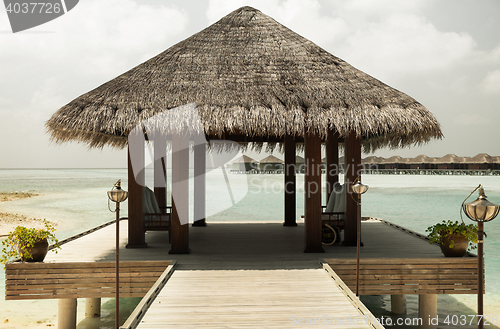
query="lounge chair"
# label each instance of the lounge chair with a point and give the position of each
(333, 215)
(155, 219)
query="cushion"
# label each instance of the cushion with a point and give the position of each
(154, 203)
(340, 199)
(331, 202)
(146, 204)
(149, 204)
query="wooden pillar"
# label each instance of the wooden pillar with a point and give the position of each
(92, 307)
(427, 311)
(313, 193)
(160, 171)
(332, 162)
(180, 195)
(66, 314)
(136, 233)
(199, 185)
(398, 304)
(352, 170)
(290, 182)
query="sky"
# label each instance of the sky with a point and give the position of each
(443, 53)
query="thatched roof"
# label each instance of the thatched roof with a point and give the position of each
(299, 159)
(481, 158)
(421, 159)
(252, 79)
(450, 158)
(244, 159)
(372, 159)
(271, 159)
(395, 159)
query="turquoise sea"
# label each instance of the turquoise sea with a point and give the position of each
(76, 199)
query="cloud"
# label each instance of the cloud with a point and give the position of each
(406, 44)
(491, 83)
(387, 39)
(91, 44)
(95, 39)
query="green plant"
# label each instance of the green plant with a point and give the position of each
(22, 239)
(439, 232)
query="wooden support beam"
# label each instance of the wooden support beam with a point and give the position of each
(313, 193)
(180, 195)
(332, 162)
(290, 183)
(160, 171)
(352, 171)
(199, 199)
(136, 233)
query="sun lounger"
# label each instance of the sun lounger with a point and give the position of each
(332, 216)
(155, 219)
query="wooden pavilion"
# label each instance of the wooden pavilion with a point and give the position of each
(257, 83)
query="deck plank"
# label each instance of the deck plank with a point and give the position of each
(247, 298)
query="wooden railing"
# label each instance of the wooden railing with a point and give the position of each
(80, 279)
(394, 276)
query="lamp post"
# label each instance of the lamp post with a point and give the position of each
(358, 188)
(480, 211)
(117, 195)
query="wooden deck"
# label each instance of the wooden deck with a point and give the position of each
(221, 246)
(263, 262)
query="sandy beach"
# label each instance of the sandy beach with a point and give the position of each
(9, 221)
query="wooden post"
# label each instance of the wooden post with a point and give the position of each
(199, 185)
(160, 171)
(290, 182)
(180, 194)
(398, 304)
(332, 162)
(136, 233)
(66, 314)
(427, 311)
(92, 307)
(352, 170)
(313, 193)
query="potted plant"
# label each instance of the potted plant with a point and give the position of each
(453, 237)
(29, 244)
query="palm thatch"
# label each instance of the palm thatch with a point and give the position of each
(395, 159)
(481, 158)
(252, 80)
(372, 160)
(421, 159)
(449, 158)
(244, 159)
(271, 159)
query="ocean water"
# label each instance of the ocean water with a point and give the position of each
(76, 199)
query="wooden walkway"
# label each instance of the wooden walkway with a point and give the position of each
(251, 299)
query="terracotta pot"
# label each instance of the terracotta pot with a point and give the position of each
(38, 251)
(461, 243)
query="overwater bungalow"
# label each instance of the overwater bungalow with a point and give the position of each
(271, 164)
(422, 162)
(244, 164)
(449, 162)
